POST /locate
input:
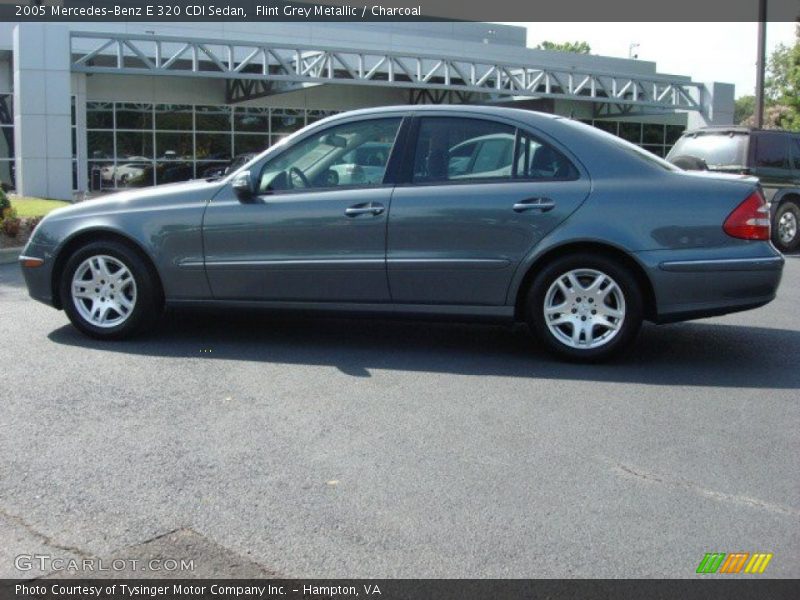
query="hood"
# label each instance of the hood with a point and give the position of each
(196, 190)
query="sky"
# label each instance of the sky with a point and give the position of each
(724, 52)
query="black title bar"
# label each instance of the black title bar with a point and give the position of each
(405, 10)
(733, 588)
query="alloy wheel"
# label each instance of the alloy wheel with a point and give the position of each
(103, 291)
(584, 308)
(787, 227)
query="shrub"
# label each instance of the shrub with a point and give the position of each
(32, 222)
(5, 204)
(11, 226)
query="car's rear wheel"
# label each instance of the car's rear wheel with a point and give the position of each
(108, 292)
(585, 307)
(785, 232)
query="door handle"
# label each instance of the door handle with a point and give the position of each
(370, 208)
(542, 204)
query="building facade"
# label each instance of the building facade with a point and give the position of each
(93, 107)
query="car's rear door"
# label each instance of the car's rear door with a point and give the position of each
(457, 233)
(306, 238)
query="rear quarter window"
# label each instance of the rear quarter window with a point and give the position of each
(772, 150)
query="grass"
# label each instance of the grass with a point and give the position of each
(34, 207)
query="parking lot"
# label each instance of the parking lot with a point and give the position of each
(259, 444)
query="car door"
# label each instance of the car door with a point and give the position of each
(462, 221)
(303, 236)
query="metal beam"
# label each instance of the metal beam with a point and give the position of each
(297, 64)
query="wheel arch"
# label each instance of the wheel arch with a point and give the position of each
(87, 236)
(788, 195)
(607, 250)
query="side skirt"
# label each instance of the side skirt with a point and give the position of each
(418, 311)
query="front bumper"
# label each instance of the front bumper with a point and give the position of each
(39, 279)
(692, 287)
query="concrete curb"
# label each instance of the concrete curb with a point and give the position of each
(9, 255)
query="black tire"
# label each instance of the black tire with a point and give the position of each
(629, 293)
(146, 308)
(787, 210)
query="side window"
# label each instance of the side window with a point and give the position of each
(796, 153)
(455, 149)
(536, 160)
(772, 150)
(353, 154)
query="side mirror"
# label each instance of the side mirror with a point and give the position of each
(242, 185)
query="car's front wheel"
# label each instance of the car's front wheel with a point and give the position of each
(108, 292)
(585, 307)
(785, 231)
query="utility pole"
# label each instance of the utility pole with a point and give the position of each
(761, 59)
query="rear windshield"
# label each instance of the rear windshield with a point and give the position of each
(723, 149)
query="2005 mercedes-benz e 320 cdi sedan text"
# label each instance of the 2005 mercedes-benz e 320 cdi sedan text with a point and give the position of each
(473, 212)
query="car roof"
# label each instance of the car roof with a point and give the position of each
(743, 129)
(498, 111)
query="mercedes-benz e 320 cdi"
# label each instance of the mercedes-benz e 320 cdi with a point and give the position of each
(474, 212)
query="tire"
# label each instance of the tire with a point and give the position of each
(120, 297)
(617, 299)
(786, 228)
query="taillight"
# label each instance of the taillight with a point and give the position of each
(749, 220)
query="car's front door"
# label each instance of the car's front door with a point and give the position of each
(480, 194)
(303, 236)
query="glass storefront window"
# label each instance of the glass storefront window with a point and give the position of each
(6, 142)
(250, 143)
(134, 116)
(6, 109)
(213, 118)
(136, 145)
(609, 126)
(631, 132)
(251, 119)
(100, 144)
(286, 120)
(652, 133)
(212, 146)
(174, 117)
(99, 115)
(174, 146)
(673, 133)
(173, 171)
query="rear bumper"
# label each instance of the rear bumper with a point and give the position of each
(692, 288)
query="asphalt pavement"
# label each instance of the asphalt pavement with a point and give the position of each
(310, 447)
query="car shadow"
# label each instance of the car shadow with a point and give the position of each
(692, 354)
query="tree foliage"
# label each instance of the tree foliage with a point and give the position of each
(781, 90)
(575, 47)
(744, 108)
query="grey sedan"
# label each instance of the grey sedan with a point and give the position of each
(566, 228)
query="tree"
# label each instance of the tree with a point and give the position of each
(781, 89)
(744, 108)
(575, 47)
